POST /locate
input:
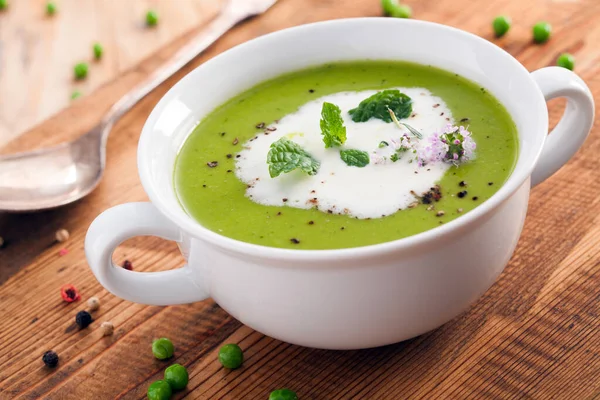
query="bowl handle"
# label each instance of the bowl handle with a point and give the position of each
(575, 125)
(123, 222)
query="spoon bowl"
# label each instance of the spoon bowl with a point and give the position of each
(52, 177)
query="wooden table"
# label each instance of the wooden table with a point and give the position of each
(534, 334)
(38, 52)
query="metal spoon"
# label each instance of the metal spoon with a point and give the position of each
(60, 175)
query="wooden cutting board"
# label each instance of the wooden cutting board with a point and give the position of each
(534, 334)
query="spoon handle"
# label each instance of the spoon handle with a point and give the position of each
(226, 19)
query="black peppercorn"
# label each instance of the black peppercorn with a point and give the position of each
(83, 319)
(50, 358)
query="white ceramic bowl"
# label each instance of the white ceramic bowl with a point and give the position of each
(349, 298)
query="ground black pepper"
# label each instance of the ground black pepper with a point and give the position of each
(83, 319)
(235, 141)
(212, 164)
(284, 199)
(279, 213)
(462, 183)
(260, 125)
(464, 120)
(294, 240)
(490, 183)
(311, 222)
(311, 90)
(203, 186)
(462, 194)
(222, 133)
(50, 358)
(229, 156)
(475, 198)
(434, 194)
(237, 156)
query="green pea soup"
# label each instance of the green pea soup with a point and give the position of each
(215, 197)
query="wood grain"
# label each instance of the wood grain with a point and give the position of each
(38, 52)
(533, 335)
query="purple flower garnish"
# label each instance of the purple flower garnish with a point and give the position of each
(453, 145)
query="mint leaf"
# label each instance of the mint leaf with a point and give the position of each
(377, 106)
(332, 125)
(355, 158)
(285, 156)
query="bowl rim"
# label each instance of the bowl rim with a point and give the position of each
(517, 178)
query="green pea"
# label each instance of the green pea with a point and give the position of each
(162, 348)
(501, 25)
(177, 376)
(151, 18)
(283, 394)
(75, 95)
(403, 11)
(98, 51)
(541, 32)
(231, 356)
(80, 70)
(159, 390)
(3, 4)
(566, 60)
(394, 9)
(51, 8)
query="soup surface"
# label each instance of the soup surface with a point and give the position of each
(381, 192)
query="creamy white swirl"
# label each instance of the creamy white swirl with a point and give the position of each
(381, 188)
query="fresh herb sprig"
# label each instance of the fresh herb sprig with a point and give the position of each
(407, 126)
(285, 156)
(355, 158)
(377, 106)
(332, 125)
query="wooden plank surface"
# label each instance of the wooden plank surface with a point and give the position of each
(38, 52)
(533, 335)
